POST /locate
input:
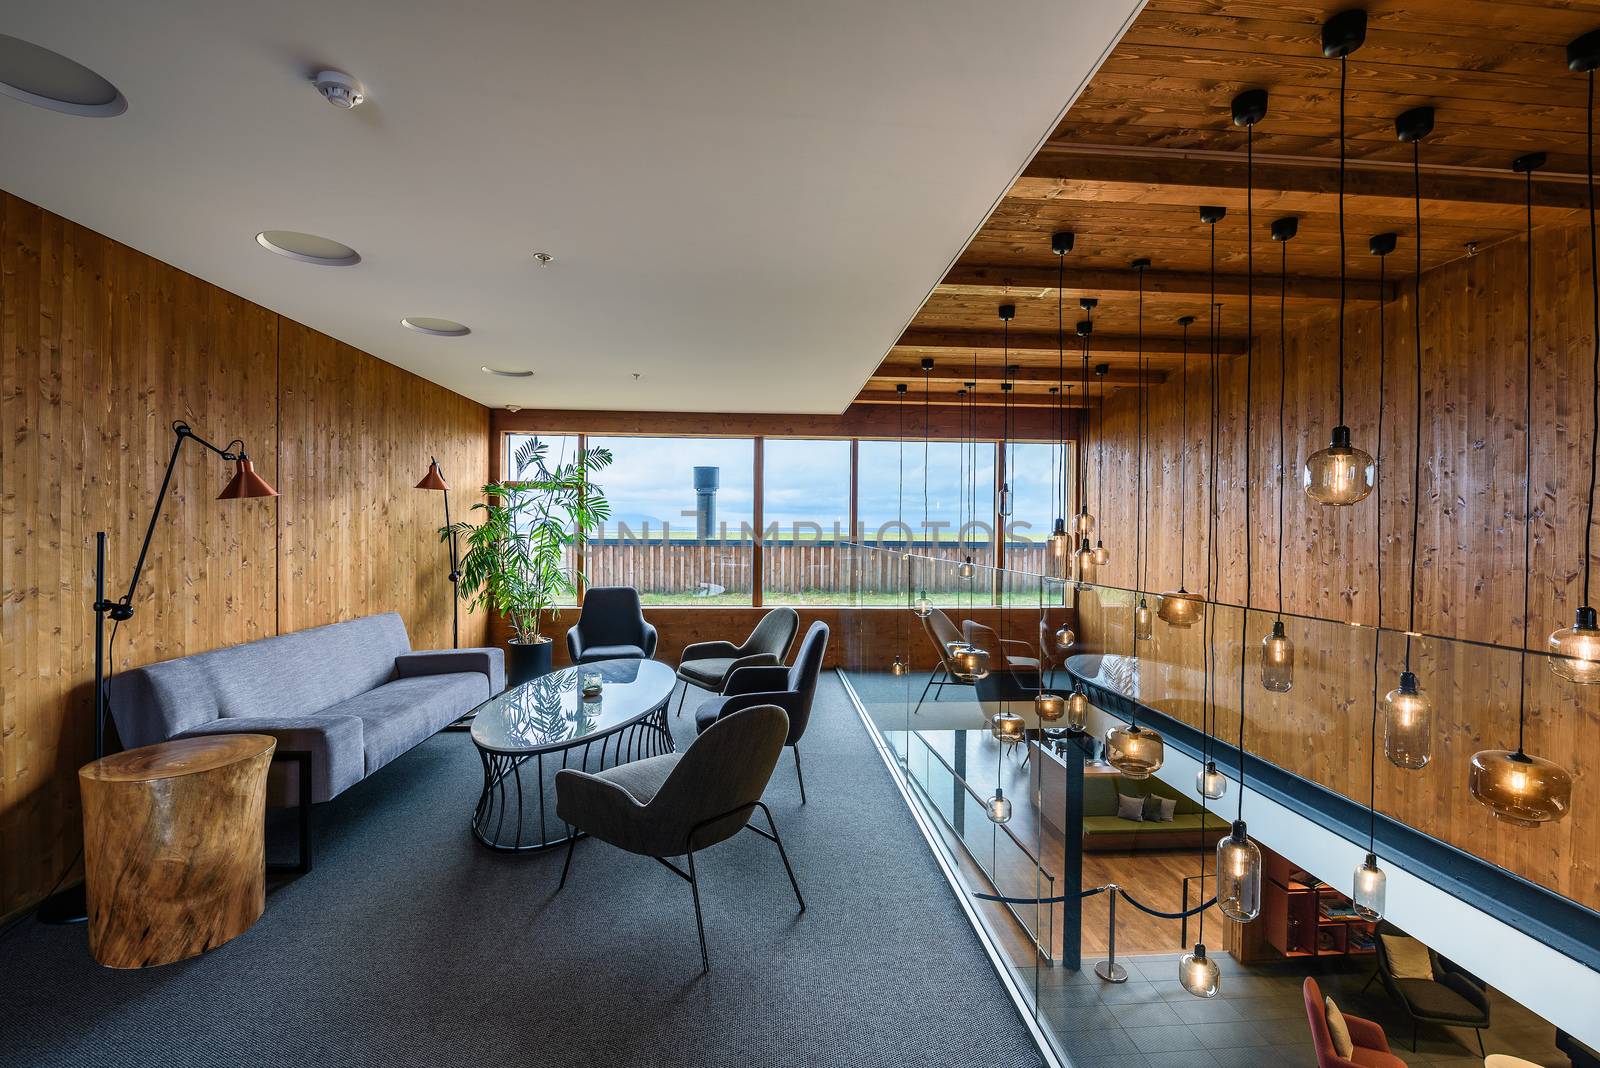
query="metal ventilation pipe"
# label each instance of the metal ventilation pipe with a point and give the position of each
(706, 481)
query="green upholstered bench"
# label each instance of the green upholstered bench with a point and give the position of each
(1104, 831)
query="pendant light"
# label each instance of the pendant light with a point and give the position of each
(1577, 648)
(1210, 782)
(998, 807)
(1369, 886)
(1143, 626)
(1077, 709)
(1197, 973)
(1058, 547)
(1520, 789)
(1408, 713)
(1136, 752)
(900, 666)
(969, 447)
(1183, 609)
(1007, 313)
(968, 663)
(923, 605)
(1085, 557)
(1340, 474)
(1007, 727)
(1277, 651)
(1102, 555)
(1049, 706)
(1238, 858)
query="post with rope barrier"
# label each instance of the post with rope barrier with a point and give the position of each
(1109, 969)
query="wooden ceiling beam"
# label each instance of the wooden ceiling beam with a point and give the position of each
(952, 372)
(990, 399)
(1043, 343)
(997, 281)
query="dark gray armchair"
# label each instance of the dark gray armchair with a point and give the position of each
(791, 689)
(611, 626)
(708, 664)
(675, 804)
(1454, 997)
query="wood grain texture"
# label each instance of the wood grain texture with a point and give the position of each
(1469, 584)
(101, 349)
(173, 847)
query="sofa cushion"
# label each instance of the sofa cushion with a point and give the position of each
(1408, 958)
(400, 714)
(592, 653)
(707, 673)
(1338, 1033)
(1159, 809)
(334, 742)
(1130, 808)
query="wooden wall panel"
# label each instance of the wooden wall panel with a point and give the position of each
(101, 349)
(1470, 543)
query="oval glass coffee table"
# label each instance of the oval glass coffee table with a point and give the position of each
(549, 723)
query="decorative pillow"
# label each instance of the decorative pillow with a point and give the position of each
(1408, 958)
(1160, 809)
(1130, 808)
(1339, 1031)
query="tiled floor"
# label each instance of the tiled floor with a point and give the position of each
(1257, 1019)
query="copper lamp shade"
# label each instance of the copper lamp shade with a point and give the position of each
(1182, 609)
(1522, 790)
(245, 483)
(434, 479)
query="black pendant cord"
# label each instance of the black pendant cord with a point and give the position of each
(1080, 462)
(1249, 395)
(972, 447)
(1213, 559)
(1099, 444)
(1416, 345)
(1594, 301)
(1141, 570)
(927, 375)
(1183, 470)
(1527, 472)
(1061, 376)
(1377, 632)
(1344, 68)
(1283, 375)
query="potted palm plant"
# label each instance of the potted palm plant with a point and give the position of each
(515, 561)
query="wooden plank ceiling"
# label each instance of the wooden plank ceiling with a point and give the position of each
(1151, 139)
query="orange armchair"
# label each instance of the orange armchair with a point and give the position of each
(1371, 1045)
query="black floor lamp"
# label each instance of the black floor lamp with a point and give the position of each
(69, 906)
(434, 480)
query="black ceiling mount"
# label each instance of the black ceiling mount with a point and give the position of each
(899, 387)
(970, 385)
(927, 363)
(1061, 243)
(1530, 162)
(1344, 33)
(1185, 320)
(1583, 53)
(1139, 264)
(1415, 124)
(1380, 244)
(1088, 303)
(1013, 368)
(1102, 369)
(1085, 327)
(1005, 387)
(1249, 107)
(1008, 311)
(1211, 215)
(1285, 228)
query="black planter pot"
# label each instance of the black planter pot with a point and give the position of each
(524, 663)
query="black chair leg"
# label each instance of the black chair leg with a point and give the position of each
(699, 924)
(925, 690)
(782, 855)
(1413, 1036)
(798, 774)
(1370, 980)
(681, 695)
(566, 867)
(1479, 1032)
(944, 677)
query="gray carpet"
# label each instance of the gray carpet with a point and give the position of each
(411, 945)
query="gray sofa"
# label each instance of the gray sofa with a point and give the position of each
(354, 695)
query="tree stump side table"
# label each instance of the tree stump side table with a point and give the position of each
(173, 847)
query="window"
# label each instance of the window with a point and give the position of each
(960, 507)
(1035, 503)
(682, 519)
(805, 519)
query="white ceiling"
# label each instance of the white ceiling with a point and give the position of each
(746, 201)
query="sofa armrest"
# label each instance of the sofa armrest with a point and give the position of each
(1365, 1034)
(490, 662)
(769, 678)
(336, 744)
(708, 651)
(650, 638)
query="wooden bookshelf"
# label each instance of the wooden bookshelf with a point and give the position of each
(1301, 917)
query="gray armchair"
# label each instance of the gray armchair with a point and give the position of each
(675, 804)
(708, 664)
(1454, 997)
(791, 689)
(611, 626)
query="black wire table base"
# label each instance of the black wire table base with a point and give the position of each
(505, 817)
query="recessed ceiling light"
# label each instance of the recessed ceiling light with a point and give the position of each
(424, 324)
(48, 79)
(503, 373)
(308, 248)
(543, 259)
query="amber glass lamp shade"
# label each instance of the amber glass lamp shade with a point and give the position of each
(1058, 549)
(434, 479)
(1142, 616)
(1341, 474)
(1408, 725)
(1239, 876)
(1064, 637)
(998, 807)
(1102, 555)
(1049, 706)
(1210, 783)
(1197, 973)
(1077, 712)
(1521, 790)
(245, 483)
(1577, 649)
(1086, 565)
(968, 663)
(1182, 609)
(967, 568)
(1135, 751)
(899, 667)
(1370, 885)
(1007, 727)
(922, 606)
(1277, 660)
(1083, 524)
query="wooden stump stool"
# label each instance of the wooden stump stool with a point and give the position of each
(173, 847)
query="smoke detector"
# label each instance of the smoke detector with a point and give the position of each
(339, 89)
(513, 408)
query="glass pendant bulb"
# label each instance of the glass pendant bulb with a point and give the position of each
(1239, 876)
(1577, 649)
(1198, 973)
(1340, 474)
(1005, 500)
(1182, 609)
(1007, 727)
(999, 807)
(1058, 549)
(1083, 523)
(922, 606)
(1408, 725)
(1064, 637)
(1049, 706)
(1369, 889)
(1142, 616)
(968, 663)
(1078, 712)
(1086, 568)
(1102, 555)
(1135, 751)
(1521, 790)
(1277, 660)
(899, 667)
(967, 568)
(1211, 783)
